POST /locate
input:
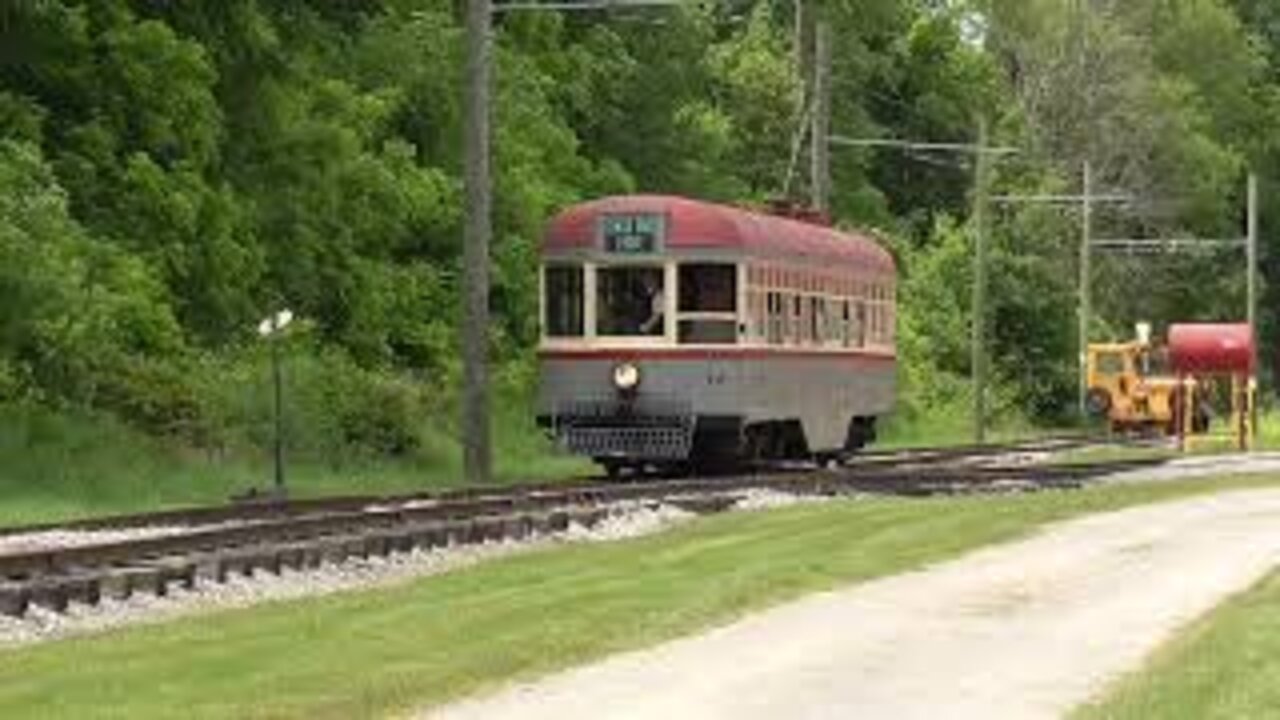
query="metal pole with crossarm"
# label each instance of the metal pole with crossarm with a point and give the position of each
(983, 154)
(981, 182)
(1086, 274)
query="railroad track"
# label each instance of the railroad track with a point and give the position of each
(267, 508)
(217, 543)
(964, 453)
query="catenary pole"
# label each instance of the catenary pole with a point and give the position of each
(820, 175)
(1252, 282)
(1252, 292)
(477, 453)
(979, 310)
(1086, 257)
(477, 447)
(800, 43)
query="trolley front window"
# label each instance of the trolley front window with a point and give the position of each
(708, 304)
(563, 301)
(630, 301)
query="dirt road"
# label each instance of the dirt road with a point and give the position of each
(1024, 630)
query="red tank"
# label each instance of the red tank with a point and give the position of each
(1203, 349)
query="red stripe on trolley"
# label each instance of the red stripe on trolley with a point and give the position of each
(710, 354)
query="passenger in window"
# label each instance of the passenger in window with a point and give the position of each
(656, 304)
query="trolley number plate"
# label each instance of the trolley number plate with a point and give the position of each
(632, 234)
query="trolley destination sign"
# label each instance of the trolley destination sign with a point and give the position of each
(632, 234)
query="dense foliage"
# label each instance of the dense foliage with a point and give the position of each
(171, 171)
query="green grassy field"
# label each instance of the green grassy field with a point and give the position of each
(385, 651)
(1224, 667)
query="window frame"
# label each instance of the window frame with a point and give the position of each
(545, 305)
(646, 263)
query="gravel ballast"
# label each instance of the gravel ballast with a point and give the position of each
(30, 542)
(625, 520)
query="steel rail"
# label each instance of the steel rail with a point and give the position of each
(53, 577)
(269, 508)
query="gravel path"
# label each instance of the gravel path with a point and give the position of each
(1258, 463)
(1024, 630)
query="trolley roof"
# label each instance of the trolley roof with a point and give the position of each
(696, 225)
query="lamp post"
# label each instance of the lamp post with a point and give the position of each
(272, 329)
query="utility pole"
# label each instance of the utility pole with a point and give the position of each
(801, 45)
(1252, 291)
(1086, 274)
(1086, 205)
(804, 105)
(820, 174)
(978, 347)
(477, 453)
(1252, 251)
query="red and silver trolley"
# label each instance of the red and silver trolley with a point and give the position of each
(677, 332)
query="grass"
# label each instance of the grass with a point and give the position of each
(56, 466)
(391, 650)
(1224, 666)
(1268, 438)
(951, 424)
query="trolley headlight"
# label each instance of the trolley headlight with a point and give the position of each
(626, 377)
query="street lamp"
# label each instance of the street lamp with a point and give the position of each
(272, 330)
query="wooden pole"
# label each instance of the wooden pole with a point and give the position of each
(477, 456)
(1252, 291)
(800, 46)
(1086, 299)
(978, 361)
(820, 176)
(1252, 282)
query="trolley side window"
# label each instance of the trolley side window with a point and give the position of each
(777, 319)
(846, 319)
(629, 301)
(817, 320)
(708, 303)
(564, 301)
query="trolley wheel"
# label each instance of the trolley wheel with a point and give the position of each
(613, 468)
(827, 460)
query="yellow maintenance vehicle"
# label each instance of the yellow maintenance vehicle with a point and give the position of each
(1131, 386)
